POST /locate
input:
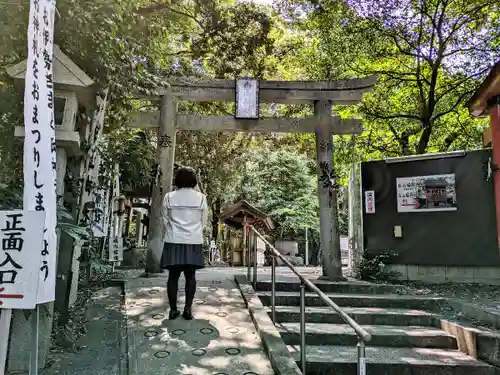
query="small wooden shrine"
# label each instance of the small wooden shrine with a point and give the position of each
(235, 216)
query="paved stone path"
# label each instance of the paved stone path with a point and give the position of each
(221, 340)
(101, 350)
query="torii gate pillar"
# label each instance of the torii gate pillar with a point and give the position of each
(163, 181)
(327, 192)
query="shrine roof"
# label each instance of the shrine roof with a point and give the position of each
(234, 214)
(490, 87)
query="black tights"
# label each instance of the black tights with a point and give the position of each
(174, 274)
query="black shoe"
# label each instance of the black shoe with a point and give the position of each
(173, 314)
(187, 314)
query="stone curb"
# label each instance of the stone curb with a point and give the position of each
(130, 340)
(123, 332)
(474, 341)
(276, 350)
(479, 343)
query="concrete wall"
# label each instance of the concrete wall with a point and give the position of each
(440, 274)
(435, 246)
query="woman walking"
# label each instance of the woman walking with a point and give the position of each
(185, 212)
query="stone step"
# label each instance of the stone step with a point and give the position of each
(356, 300)
(388, 336)
(350, 287)
(362, 315)
(342, 360)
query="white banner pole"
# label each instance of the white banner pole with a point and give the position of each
(35, 330)
(5, 318)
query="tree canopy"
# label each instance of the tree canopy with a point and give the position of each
(430, 55)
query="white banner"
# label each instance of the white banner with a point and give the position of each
(115, 248)
(100, 213)
(39, 142)
(247, 98)
(93, 162)
(20, 233)
(115, 244)
(426, 193)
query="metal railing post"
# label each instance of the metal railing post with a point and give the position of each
(363, 335)
(361, 358)
(246, 249)
(303, 327)
(273, 289)
(254, 247)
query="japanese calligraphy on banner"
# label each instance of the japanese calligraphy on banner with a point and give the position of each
(426, 193)
(95, 190)
(39, 141)
(20, 233)
(115, 246)
(100, 222)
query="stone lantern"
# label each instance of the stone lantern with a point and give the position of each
(74, 93)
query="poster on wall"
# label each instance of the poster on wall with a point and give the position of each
(370, 201)
(426, 193)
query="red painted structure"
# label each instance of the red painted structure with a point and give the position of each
(484, 102)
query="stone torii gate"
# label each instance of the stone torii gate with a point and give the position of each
(321, 94)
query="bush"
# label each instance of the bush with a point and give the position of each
(372, 266)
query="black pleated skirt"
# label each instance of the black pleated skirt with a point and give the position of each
(180, 254)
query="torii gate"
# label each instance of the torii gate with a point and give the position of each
(321, 94)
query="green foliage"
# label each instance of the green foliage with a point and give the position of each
(281, 184)
(133, 149)
(240, 41)
(372, 267)
(430, 56)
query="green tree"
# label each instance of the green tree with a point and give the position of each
(281, 184)
(430, 57)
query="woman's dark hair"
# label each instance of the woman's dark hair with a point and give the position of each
(185, 177)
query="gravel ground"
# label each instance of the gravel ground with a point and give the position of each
(483, 295)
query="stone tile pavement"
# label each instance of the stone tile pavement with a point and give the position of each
(221, 340)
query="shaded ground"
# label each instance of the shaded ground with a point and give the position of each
(98, 350)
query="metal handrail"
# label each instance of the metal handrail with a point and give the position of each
(363, 335)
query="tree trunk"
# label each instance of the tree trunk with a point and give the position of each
(405, 143)
(424, 138)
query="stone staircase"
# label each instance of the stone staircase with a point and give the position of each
(407, 337)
